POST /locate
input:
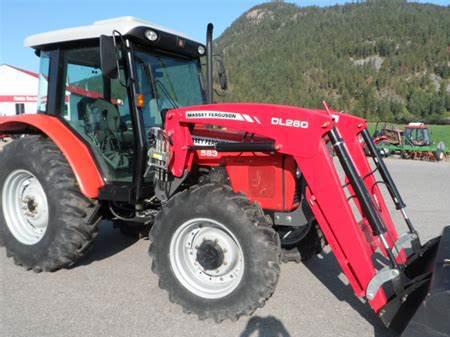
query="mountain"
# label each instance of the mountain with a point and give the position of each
(380, 59)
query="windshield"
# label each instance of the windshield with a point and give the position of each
(167, 82)
(418, 136)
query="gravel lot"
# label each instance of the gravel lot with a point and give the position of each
(114, 293)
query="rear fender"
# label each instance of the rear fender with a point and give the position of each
(74, 149)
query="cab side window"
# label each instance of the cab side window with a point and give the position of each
(151, 113)
(98, 109)
(43, 82)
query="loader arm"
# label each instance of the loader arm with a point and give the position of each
(355, 239)
(400, 285)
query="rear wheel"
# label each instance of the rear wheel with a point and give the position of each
(45, 221)
(215, 253)
(301, 244)
(439, 155)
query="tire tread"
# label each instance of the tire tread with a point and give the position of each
(262, 231)
(79, 215)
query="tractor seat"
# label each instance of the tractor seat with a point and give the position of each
(109, 128)
(110, 134)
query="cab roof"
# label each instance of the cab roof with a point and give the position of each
(104, 27)
(416, 125)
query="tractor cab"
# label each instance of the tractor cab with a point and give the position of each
(417, 134)
(111, 82)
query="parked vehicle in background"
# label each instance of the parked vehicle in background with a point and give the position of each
(414, 141)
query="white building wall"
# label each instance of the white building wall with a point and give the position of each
(17, 87)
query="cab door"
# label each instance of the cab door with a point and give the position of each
(98, 110)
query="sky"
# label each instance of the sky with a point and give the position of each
(21, 18)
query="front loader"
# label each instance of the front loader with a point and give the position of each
(127, 130)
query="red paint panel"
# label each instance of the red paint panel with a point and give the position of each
(267, 180)
(258, 179)
(75, 151)
(261, 182)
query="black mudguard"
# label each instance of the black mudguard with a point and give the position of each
(423, 308)
(432, 318)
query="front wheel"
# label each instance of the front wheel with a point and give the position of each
(215, 253)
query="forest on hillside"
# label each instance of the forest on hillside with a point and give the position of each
(380, 59)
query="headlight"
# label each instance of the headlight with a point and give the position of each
(151, 35)
(201, 50)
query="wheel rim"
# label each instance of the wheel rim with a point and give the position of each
(206, 258)
(25, 207)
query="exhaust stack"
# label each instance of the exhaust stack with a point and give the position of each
(209, 71)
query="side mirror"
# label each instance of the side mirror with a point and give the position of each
(108, 57)
(223, 80)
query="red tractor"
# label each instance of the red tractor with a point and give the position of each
(127, 130)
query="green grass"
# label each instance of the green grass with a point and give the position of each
(439, 133)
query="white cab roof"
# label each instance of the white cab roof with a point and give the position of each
(104, 27)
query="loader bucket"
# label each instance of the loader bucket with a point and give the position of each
(424, 309)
